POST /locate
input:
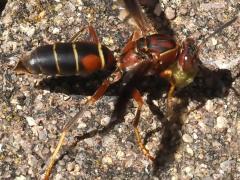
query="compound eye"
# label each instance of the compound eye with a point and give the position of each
(188, 56)
(191, 50)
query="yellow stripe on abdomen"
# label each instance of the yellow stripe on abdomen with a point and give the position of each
(56, 58)
(75, 57)
(100, 51)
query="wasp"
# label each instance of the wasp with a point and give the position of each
(144, 54)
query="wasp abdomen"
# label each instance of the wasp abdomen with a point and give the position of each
(80, 58)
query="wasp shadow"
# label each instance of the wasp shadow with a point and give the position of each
(207, 85)
(2, 5)
(77, 85)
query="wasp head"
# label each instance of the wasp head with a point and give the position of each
(188, 58)
(185, 70)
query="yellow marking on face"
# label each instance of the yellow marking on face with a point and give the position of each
(101, 55)
(56, 58)
(75, 57)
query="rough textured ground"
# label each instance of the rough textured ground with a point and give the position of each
(201, 140)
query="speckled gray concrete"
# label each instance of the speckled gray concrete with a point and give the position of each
(32, 116)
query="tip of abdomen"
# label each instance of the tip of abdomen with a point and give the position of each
(20, 68)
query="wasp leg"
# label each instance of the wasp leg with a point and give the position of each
(131, 42)
(66, 128)
(76, 36)
(167, 74)
(54, 155)
(138, 98)
(114, 77)
(92, 35)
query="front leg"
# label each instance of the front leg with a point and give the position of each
(168, 74)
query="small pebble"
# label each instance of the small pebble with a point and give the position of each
(42, 134)
(195, 136)
(228, 165)
(120, 154)
(189, 151)
(19, 107)
(107, 160)
(20, 178)
(56, 31)
(178, 156)
(79, 2)
(66, 97)
(216, 144)
(87, 114)
(70, 166)
(221, 122)
(170, 13)
(187, 138)
(32, 160)
(31, 121)
(214, 41)
(209, 105)
(82, 125)
(58, 177)
(212, 5)
(183, 10)
(105, 121)
(77, 169)
(174, 177)
(123, 14)
(189, 171)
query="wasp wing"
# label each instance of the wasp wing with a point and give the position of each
(135, 11)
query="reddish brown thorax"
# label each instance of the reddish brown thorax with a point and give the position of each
(129, 59)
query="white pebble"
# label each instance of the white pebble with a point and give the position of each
(20, 178)
(1, 148)
(189, 151)
(56, 31)
(209, 106)
(189, 171)
(107, 160)
(187, 138)
(214, 41)
(221, 122)
(170, 13)
(31, 121)
(105, 121)
(120, 154)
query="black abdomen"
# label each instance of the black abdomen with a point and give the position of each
(80, 58)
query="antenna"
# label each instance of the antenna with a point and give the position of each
(218, 30)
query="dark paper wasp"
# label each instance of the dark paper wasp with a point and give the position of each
(144, 54)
